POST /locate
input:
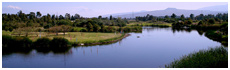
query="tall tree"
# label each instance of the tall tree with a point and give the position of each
(99, 17)
(76, 16)
(192, 16)
(166, 17)
(67, 16)
(110, 17)
(38, 14)
(182, 17)
(32, 15)
(173, 15)
(53, 17)
(72, 18)
(61, 17)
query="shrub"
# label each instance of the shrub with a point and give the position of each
(22, 42)
(212, 35)
(59, 45)
(58, 42)
(211, 21)
(200, 23)
(6, 41)
(42, 44)
(16, 44)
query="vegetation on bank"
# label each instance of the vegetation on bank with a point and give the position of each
(212, 58)
(71, 36)
(44, 44)
(96, 42)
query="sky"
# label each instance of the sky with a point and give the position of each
(94, 9)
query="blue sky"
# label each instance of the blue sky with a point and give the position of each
(93, 9)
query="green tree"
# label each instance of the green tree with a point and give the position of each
(76, 22)
(38, 14)
(110, 17)
(173, 15)
(192, 16)
(99, 17)
(55, 29)
(103, 28)
(67, 16)
(76, 16)
(64, 22)
(32, 15)
(90, 27)
(211, 21)
(96, 27)
(182, 17)
(65, 28)
(61, 17)
(166, 17)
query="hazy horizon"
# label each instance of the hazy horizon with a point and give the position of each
(94, 9)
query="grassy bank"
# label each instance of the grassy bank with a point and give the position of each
(57, 44)
(212, 58)
(106, 41)
(81, 37)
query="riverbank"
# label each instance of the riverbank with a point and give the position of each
(81, 37)
(212, 58)
(107, 41)
(46, 44)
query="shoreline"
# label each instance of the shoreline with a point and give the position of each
(101, 42)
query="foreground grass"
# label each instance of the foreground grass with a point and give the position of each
(81, 37)
(212, 58)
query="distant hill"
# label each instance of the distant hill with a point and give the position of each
(222, 8)
(168, 12)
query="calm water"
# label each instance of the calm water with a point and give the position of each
(155, 48)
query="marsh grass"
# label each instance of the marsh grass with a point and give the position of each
(212, 58)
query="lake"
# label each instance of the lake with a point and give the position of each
(152, 48)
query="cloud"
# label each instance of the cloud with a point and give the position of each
(14, 7)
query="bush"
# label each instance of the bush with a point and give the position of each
(58, 42)
(42, 44)
(201, 23)
(211, 21)
(15, 44)
(212, 58)
(59, 45)
(22, 42)
(212, 35)
(6, 41)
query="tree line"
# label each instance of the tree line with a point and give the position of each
(12, 22)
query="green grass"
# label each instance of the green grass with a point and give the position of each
(212, 58)
(82, 37)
